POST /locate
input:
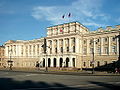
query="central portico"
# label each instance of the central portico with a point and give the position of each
(64, 43)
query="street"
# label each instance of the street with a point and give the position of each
(37, 81)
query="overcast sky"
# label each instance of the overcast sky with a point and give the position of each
(28, 19)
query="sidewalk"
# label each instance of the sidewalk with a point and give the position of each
(78, 73)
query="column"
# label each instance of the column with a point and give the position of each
(94, 45)
(64, 47)
(28, 50)
(57, 62)
(32, 50)
(36, 50)
(101, 45)
(51, 62)
(70, 62)
(24, 51)
(17, 50)
(117, 49)
(53, 47)
(70, 45)
(109, 45)
(6, 51)
(77, 44)
(88, 47)
(58, 46)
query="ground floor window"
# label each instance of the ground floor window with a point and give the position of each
(54, 63)
(73, 62)
(61, 62)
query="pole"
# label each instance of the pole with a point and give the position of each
(93, 62)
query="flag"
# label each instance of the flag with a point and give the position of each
(61, 30)
(63, 16)
(69, 15)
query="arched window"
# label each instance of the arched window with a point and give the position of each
(54, 62)
(61, 62)
(67, 62)
(49, 62)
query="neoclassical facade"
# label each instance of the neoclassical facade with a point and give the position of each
(69, 45)
(2, 48)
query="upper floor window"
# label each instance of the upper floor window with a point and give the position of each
(113, 38)
(113, 49)
(84, 42)
(61, 49)
(91, 42)
(84, 51)
(99, 50)
(74, 49)
(105, 39)
(56, 50)
(67, 49)
(106, 50)
(50, 50)
(91, 50)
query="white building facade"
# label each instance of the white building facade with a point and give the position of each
(69, 45)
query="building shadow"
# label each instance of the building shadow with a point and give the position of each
(106, 86)
(11, 84)
(109, 67)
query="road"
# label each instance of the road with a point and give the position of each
(37, 81)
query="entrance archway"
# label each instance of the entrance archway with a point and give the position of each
(67, 62)
(73, 61)
(61, 62)
(54, 62)
(49, 62)
(43, 62)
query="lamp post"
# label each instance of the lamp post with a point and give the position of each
(44, 46)
(93, 61)
(93, 57)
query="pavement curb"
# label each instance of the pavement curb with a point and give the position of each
(63, 73)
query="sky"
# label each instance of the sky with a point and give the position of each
(28, 19)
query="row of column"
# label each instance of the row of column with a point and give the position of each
(59, 62)
(102, 46)
(66, 42)
(23, 50)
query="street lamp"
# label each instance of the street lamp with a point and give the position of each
(44, 46)
(93, 61)
(93, 57)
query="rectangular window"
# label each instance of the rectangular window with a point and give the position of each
(84, 51)
(90, 63)
(98, 63)
(56, 50)
(61, 50)
(113, 38)
(91, 50)
(114, 49)
(84, 64)
(105, 39)
(74, 49)
(67, 49)
(106, 50)
(99, 50)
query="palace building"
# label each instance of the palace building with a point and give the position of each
(2, 56)
(70, 45)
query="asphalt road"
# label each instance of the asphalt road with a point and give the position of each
(36, 81)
